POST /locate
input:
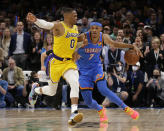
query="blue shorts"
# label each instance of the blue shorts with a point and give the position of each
(87, 77)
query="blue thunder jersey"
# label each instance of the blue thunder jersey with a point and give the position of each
(90, 54)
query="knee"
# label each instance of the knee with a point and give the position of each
(74, 84)
(88, 102)
(51, 91)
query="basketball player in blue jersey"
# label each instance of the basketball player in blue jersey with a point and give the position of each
(90, 70)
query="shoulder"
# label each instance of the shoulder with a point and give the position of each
(18, 69)
(14, 35)
(57, 24)
(5, 70)
(27, 34)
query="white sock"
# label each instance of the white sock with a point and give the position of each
(73, 108)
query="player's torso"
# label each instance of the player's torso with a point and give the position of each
(65, 45)
(90, 54)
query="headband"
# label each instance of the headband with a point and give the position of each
(95, 23)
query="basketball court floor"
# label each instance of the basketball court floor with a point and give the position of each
(56, 120)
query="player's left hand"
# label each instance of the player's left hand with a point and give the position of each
(137, 50)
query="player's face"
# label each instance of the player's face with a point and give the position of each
(95, 31)
(73, 17)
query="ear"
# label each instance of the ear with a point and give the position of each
(100, 29)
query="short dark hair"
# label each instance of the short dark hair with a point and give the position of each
(67, 10)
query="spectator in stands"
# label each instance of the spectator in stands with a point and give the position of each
(35, 52)
(148, 32)
(121, 33)
(15, 78)
(106, 30)
(112, 55)
(115, 55)
(84, 27)
(139, 44)
(2, 28)
(20, 46)
(154, 22)
(154, 57)
(162, 42)
(135, 81)
(154, 88)
(6, 43)
(79, 24)
(48, 43)
(127, 33)
(114, 33)
(27, 88)
(3, 91)
(140, 26)
(116, 81)
(1, 58)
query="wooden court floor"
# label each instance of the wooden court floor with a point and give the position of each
(56, 120)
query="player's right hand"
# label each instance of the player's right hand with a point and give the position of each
(85, 41)
(31, 17)
(139, 53)
(75, 56)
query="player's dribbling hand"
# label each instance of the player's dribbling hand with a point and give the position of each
(31, 17)
(137, 51)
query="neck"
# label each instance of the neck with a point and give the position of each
(67, 23)
(19, 32)
(95, 40)
(156, 49)
(37, 41)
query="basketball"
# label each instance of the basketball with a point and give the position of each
(131, 57)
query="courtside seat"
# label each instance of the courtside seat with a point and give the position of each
(27, 74)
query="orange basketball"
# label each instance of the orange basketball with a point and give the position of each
(131, 57)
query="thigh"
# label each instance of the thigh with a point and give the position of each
(55, 70)
(19, 90)
(69, 65)
(85, 83)
(98, 74)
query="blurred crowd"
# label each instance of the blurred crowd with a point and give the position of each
(22, 45)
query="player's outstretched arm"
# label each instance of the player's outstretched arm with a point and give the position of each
(39, 22)
(115, 44)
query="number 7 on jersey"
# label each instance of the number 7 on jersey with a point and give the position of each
(91, 56)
